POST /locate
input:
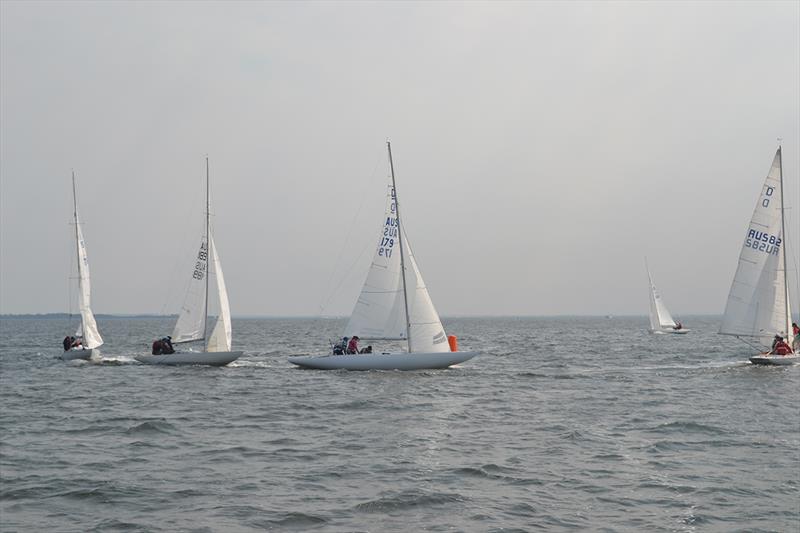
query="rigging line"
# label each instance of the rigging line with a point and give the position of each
(346, 276)
(751, 345)
(186, 241)
(347, 237)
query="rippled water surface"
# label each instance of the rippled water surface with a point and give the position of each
(562, 424)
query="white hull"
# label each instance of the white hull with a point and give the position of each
(69, 355)
(681, 331)
(766, 359)
(190, 358)
(384, 361)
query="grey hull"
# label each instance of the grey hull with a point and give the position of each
(71, 355)
(190, 358)
(781, 360)
(384, 361)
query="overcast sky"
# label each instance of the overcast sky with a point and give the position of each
(541, 149)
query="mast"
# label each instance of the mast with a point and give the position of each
(402, 254)
(787, 315)
(208, 256)
(77, 243)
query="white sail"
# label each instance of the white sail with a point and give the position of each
(660, 316)
(379, 312)
(191, 324)
(426, 330)
(758, 304)
(220, 340)
(88, 327)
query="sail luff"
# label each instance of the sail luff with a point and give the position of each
(208, 241)
(788, 313)
(402, 253)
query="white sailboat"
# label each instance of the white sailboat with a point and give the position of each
(661, 320)
(87, 332)
(758, 305)
(192, 323)
(394, 304)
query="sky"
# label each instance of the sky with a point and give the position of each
(542, 149)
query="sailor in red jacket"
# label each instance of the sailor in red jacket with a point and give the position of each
(352, 346)
(781, 348)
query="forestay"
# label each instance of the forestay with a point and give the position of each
(379, 312)
(88, 327)
(758, 304)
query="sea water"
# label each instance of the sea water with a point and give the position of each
(561, 424)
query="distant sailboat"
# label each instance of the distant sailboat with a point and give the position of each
(394, 305)
(87, 333)
(192, 324)
(661, 320)
(758, 305)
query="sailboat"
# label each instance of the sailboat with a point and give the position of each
(87, 330)
(661, 320)
(192, 323)
(394, 304)
(758, 305)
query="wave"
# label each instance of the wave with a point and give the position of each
(687, 427)
(408, 500)
(158, 426)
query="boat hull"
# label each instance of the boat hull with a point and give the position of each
(681, 331)
(384, 361)
(85, 355)
(190, 358)
(782, 360)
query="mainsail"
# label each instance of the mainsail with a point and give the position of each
(191, 324)
(192, 321)
(758, 303)
(660, 316)
(88, 327)
(379, 312)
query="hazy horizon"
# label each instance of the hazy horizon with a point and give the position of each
(542, 150)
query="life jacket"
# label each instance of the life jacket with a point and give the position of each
(158, 347)
(783, 349)
(352, 346)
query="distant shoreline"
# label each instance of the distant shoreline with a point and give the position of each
(64, 316)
